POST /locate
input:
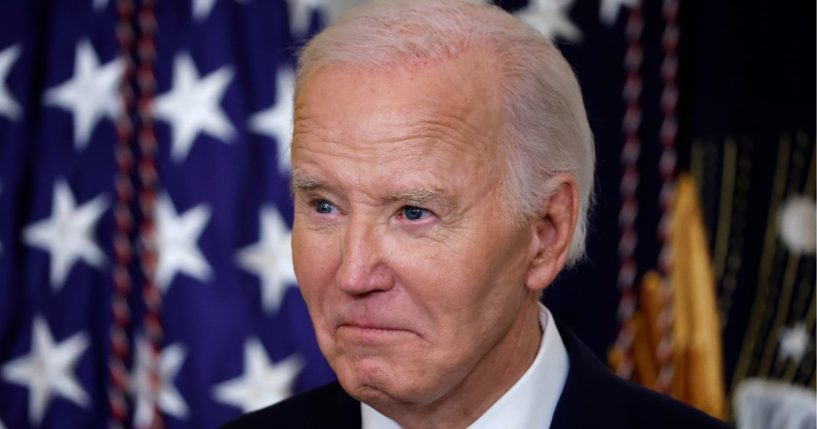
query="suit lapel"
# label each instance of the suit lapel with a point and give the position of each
(588, 399)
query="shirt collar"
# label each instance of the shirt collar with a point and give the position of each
(529, 403)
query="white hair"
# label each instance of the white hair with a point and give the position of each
(545, 130)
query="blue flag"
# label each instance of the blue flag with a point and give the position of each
(148, 138)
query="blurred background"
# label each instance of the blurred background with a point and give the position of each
(145, 269)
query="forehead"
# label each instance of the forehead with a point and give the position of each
(406, 112)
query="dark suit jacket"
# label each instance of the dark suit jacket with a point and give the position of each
(592, 398)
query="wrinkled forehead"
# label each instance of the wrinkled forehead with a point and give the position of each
(479, 64)
(455, 97)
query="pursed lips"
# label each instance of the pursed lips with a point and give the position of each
(371, 332)
(381, 326)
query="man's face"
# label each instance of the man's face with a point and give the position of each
(404, 247)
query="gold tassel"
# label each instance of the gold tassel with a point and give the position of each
(697, 348)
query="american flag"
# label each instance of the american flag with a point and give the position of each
(89, 204)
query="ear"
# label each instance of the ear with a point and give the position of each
(552, 233)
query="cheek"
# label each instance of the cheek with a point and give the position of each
(465, 288)
(315, 263)
(441, 285)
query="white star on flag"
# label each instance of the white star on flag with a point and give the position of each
(202, 8)
(48, 370)
(176, 241)
(794, 342)
(270, 259)
(100, 4)
(91, 94)
(68, 234)
(8, 107)
(610, 8)
(192, 105)
(263, 383)
(300, 14)
(276, 121)
(550, 17)
(169, 400)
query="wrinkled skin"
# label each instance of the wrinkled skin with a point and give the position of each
(421, 287)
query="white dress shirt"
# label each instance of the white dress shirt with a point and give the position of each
(529, 403)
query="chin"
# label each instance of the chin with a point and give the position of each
(384, 390)
(372, 382)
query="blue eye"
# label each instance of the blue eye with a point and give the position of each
(414, 213)
(324, 207)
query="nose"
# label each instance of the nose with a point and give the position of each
(362, 267)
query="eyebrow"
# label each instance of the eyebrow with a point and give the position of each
(304, 182)
(422, 197)
(416, 197)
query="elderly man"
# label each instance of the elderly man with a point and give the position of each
(442, 171)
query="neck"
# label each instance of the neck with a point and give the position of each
(497, 372)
